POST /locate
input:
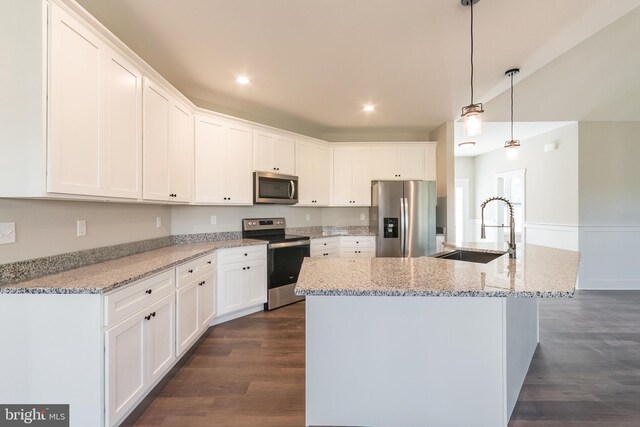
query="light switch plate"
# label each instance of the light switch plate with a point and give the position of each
(81, 228)
(214, 219)
(361, 217)
(308, 217)
(158, 221)
(7, 233)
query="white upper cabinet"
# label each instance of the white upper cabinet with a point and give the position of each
(430, 161)
(181, 145)
(273, 152)
(94, 114)
(312, 169)
(223, 169)
(398, 163)
(168, 146)
(352, 176)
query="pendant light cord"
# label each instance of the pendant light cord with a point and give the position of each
(471, 52)
(512, 105)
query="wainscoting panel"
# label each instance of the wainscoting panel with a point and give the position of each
(610, 257)
(552, 235)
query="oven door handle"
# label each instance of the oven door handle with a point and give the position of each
(289, 244)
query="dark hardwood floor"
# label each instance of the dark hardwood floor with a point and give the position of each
(250, 371)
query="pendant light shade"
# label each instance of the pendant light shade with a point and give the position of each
(513, 144)
(472, 113)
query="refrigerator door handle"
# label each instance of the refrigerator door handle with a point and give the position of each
(405, 229)
(402, 226)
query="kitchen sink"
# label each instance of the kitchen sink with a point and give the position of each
(469, 256)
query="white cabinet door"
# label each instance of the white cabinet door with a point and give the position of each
(305, 172)
(410, 161)
(284, 155)
(121, 129)
(211, 160)
(180, 153)
(230, 287)
(239, 176)
(321, 175)
(161, 338)
(430, 161)
(264, 144)
(256, 283)
(273, 152)
(188, 324)
(125, 364)
(384, 164)
(361, 170)
(206, 300)
(156, 110)
(342, 171)
(74, 142)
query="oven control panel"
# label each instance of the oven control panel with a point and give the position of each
(263, 224)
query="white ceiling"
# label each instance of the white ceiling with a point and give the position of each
(314, 63)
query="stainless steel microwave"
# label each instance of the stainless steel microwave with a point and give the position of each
(275, 188)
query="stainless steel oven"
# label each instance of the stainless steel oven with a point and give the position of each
(285, 254)
(275, 188)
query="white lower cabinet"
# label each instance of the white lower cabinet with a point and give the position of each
(326, 247)
(195, 308)
(138, 351)
(358, 246)
(241, 283)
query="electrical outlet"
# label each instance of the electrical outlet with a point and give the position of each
(158, 221)
(361, 217)
(308, 217)
(81, 228)
(214, 219)
(7, 233)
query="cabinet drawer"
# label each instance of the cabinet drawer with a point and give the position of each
(125, 302)
(242, 254)
(326, 243)
(324, 253)
(358, 253)
(196, 268)
(357, 242)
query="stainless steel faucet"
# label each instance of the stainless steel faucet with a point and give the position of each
(512, 224)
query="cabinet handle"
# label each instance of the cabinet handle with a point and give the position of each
(248, 268)
(147, 317)
(244, 268)
(148, 291)
(246, 254)
(357, 243)
(325, 244)
(202, 283)
(190, 271)
(209, 262)
(153, 314)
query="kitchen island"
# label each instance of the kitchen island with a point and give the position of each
(425, 341)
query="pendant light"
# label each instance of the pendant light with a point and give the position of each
(512, 145)
(471, 114)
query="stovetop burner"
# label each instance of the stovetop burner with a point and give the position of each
(269, 229)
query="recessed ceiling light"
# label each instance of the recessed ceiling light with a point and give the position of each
(467, 144)
(243, 80)
(368, 108)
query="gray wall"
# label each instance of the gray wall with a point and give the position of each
(48, 227)
(445, 176)
(609, 173)
(551, 178)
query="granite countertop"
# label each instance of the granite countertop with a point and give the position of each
(109, 275)
(538, 271)
(336, 233)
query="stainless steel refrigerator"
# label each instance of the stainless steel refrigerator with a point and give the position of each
(404, 215)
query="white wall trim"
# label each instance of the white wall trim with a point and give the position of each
(609, 257)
